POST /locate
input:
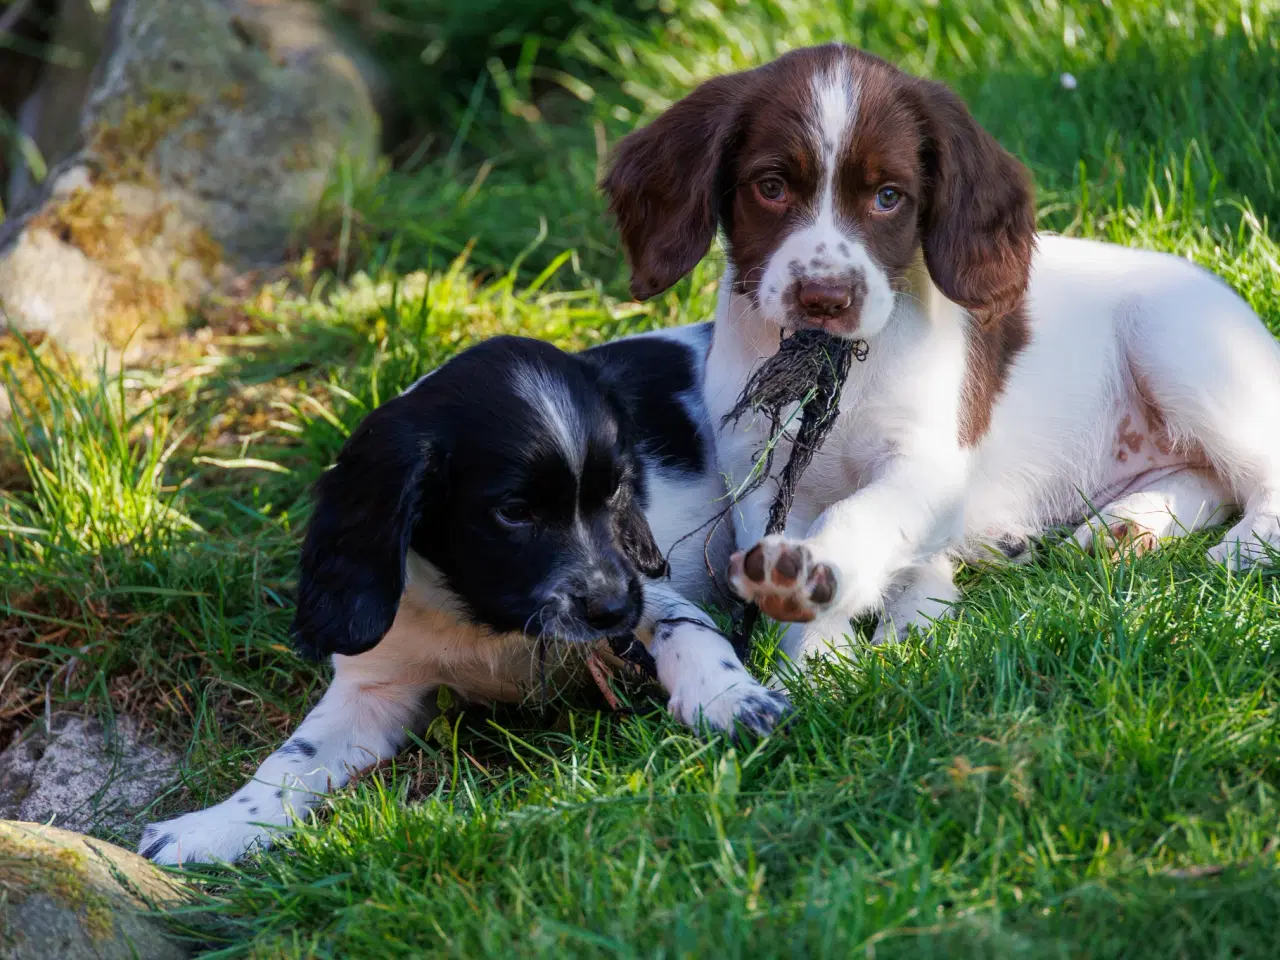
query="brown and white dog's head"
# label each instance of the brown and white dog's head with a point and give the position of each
(829, 170)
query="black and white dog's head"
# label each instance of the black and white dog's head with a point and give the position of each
(512, 471)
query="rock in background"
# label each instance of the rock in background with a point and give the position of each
(190, 144)
(81, 776)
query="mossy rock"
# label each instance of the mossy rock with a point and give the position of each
(69, 896)
(209, 135)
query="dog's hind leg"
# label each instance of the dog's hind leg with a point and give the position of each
(1210, 372)
(361, 720)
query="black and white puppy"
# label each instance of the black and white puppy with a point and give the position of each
(515, 496)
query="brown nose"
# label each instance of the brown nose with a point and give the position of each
(824, 298)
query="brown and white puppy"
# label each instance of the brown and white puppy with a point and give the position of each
(1014, 382)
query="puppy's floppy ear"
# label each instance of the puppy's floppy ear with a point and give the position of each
(664, 184)
(636, 538)
(632, 530)
(353, 556)
(979, 216)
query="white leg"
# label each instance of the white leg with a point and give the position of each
(828, 637)
(927, 595)
(359, 722)
(1172, 506)
(707, 683)
(854, 551)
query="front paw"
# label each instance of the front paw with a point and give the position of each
(784, 580)
(737, 699)
(214, 835)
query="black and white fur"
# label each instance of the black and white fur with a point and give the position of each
(518, 498)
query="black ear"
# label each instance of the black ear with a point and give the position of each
(979, 219)
(636, 538)
(353, 557)
(664, 184)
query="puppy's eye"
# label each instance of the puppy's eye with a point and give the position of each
(772, 190)
(514, 514)
(888, 198)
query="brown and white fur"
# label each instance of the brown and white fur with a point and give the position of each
(1014, 382)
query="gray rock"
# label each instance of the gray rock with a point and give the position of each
(72, 897)
(82, 777)
(205, 134)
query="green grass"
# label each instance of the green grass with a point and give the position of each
(1084, 763)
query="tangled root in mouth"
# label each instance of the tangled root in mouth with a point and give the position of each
(809, 369)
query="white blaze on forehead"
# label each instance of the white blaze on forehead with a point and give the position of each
(822, 247)
(835, 111)
(549, 396)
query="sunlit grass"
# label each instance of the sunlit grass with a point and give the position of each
(1082, 764)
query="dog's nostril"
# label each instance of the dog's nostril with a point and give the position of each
(604, 610)
(824, 298)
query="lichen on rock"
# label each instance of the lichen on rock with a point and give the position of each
(68, 896)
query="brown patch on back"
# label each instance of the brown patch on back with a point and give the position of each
(993, 346)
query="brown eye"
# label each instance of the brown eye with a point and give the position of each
(772, 189)
(887, 198)
(514, 514)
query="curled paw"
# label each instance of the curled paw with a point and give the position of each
(783, 579)
(1117, 538)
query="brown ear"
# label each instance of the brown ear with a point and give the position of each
(664, 185)
(979, 221)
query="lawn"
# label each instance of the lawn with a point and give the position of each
(1085, 762)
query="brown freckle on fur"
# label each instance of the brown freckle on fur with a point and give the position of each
(1122, 455)
(821, 248)
(1128, 437)
(1157, 426)
(843, 248)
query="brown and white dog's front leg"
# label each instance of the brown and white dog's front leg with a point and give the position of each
(361, 720)
(853, 553)
(707, 683)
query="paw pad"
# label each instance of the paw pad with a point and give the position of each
(783, 580)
